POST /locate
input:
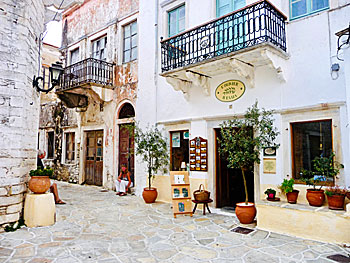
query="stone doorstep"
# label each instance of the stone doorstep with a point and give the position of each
(284, 204)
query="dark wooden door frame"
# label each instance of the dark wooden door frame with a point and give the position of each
(95, 165)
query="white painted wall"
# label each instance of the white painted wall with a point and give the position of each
(311, 45)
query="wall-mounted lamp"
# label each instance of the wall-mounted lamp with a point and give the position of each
(56, 71)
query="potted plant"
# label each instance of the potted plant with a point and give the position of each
(271, 193)
(335, 196)
(287, 188)
(152, 147)
(242, 141)
(39, 181)
(323, 168)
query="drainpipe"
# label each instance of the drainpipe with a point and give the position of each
(156, 55)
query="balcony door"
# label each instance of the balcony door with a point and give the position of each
(94, 157)
(230, 33)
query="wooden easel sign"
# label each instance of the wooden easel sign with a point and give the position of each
(180, 193)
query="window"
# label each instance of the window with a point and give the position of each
(70, 147)
(99, 48)
(300, 8)
(176, 21)
(74, 56)
(50, 144)
(179, 149)
(130, 42)
(310, 140)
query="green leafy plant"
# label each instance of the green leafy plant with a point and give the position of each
(270, 191)
(287, 186)
(323, 168)
(152, 147)
(42, 172)
(335, 190)
(244, 138)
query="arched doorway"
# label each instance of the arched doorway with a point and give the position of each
(126, 138)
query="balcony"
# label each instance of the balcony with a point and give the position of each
(88, 72)
(251, 36)
(86, 79)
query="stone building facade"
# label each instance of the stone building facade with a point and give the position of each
(85, 132)
(22, 22)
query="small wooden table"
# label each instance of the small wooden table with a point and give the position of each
(205, 205)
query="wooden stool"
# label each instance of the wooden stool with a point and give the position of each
(205, 204)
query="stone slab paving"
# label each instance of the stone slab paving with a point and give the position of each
(97, 226)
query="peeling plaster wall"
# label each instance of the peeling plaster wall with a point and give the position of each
(21, 23)
(83, 24)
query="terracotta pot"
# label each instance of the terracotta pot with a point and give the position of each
(292, 197)
(271, 196)
(245, 213)
(315, 197)
(336, 202)
(39, 184)
(149, 195)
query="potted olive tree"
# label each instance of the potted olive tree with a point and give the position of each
(152, 147)
(323, 168)
(242, 141)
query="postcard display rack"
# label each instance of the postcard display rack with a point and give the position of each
(180, 191)
(199, 154)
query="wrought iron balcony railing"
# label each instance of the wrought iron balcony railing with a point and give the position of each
(254, 24)
(87, 71)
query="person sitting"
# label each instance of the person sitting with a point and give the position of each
(53, 187)
(123, 182)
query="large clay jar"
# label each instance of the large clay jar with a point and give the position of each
(292, 197)
(336, 202)
(149, 195)
(315, 197)
(39, 184)
(245, 212)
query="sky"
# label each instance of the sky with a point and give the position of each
(54, 34)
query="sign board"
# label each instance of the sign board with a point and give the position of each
(180, 193)
(230, 90)
(199, 154)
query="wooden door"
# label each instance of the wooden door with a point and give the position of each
(94, 157)
(229, 182)
(126, 148)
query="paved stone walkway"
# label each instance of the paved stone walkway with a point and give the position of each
(97, 226)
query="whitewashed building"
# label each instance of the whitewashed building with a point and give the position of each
(203, 62)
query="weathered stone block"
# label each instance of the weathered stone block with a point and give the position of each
(18, 189)
(9, 200)
(14, 208)
(9, 218)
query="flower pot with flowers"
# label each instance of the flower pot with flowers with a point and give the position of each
(271, 193)
(287, 188)
(324, 169)
(39, 181)
(151, 145)
(335, 196)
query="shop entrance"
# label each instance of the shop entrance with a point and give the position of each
(229, 182)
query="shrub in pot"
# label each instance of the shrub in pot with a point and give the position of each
(287, 188)
(39, 181)
(271, 193)
(241, 143)
(324, 168)
(152, 147)
(335, 196)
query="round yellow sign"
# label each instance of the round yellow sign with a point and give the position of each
(230, 90)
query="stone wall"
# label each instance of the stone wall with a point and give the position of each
(21, 21)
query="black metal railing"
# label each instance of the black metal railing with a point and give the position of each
(87, 71)
(252, 25)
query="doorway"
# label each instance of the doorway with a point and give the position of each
(94, 157)
(126, 139)
(229, 182)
